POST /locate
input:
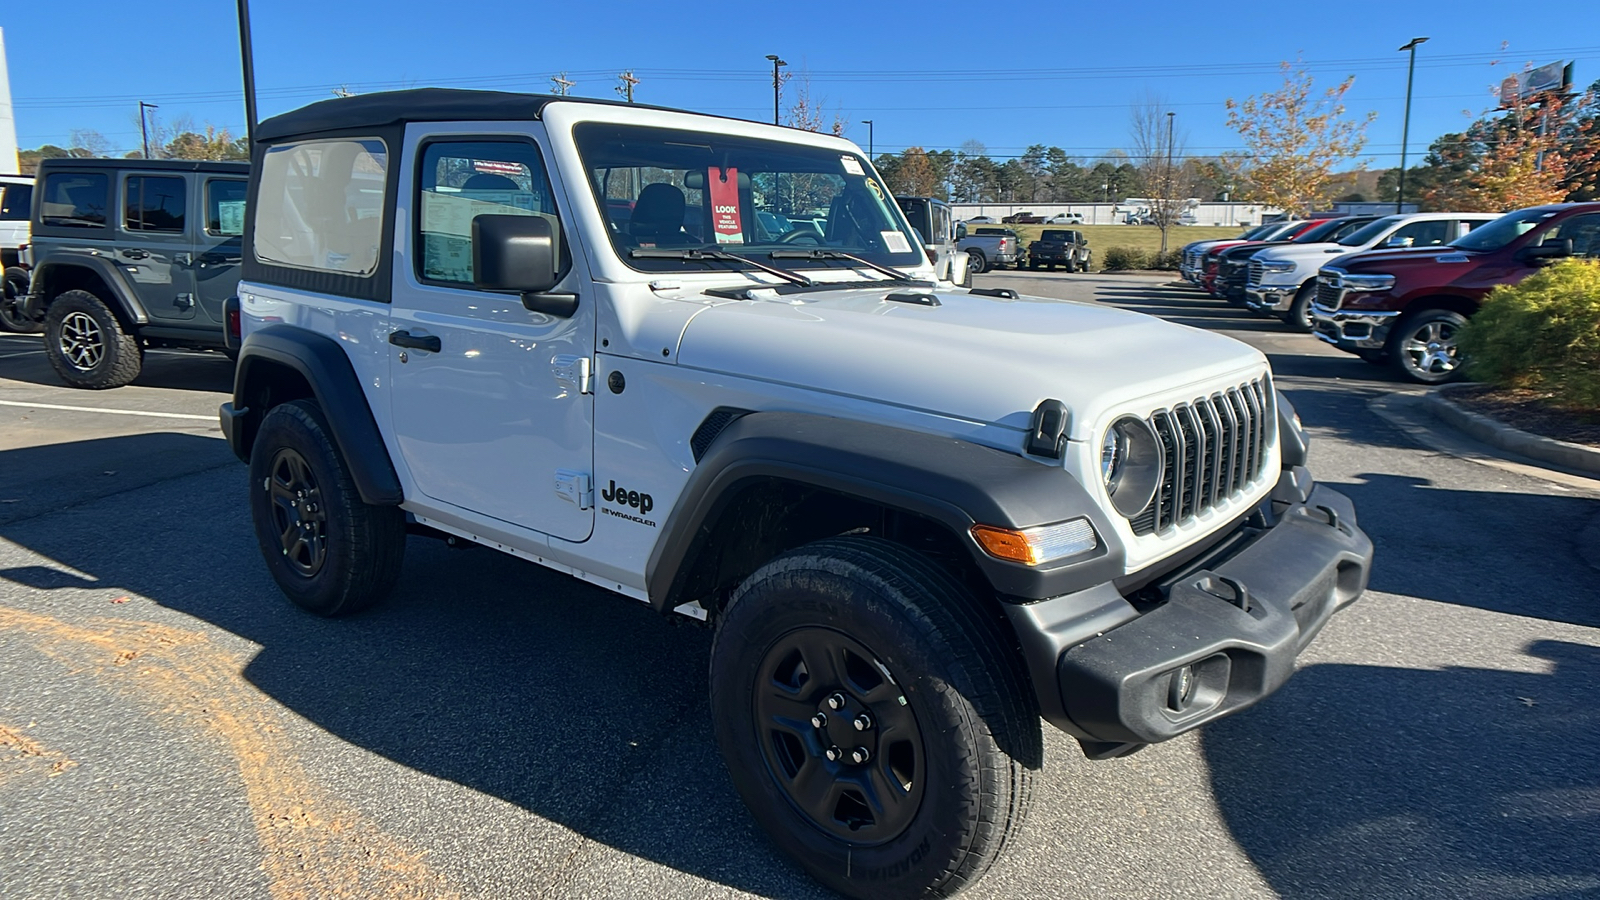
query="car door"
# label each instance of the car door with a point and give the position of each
(218, 233)
(492, 404)
(152, 245)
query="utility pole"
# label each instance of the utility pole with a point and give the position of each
(343, 90)
(868, 123)
(562, 85)
(143, 131)
(1166, 212)
(247, 57)
(626, 87)
(1405, 131)
(776, 83)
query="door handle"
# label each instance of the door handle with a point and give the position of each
(411, 341)
(136, 254)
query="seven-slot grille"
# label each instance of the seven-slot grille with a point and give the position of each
(1213, 448)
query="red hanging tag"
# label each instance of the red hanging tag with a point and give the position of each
(723, 188)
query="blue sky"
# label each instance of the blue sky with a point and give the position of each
(933, 74)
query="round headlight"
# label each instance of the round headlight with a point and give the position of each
(1136, 458)
(1110, 457)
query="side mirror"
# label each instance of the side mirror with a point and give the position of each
(961, 231)
(1398, 242)
(1548, 251)
(518, 253)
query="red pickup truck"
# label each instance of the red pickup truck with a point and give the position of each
(1405, 306)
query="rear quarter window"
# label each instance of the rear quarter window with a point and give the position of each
(75, 199)
(320, 205)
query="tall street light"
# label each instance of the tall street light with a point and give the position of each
(776, 62)
(868, 123)
(143, 131)
(1405, 131)
(247, 58)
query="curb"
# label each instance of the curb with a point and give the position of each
(1498, 434)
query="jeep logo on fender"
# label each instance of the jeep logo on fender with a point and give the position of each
(622, 497)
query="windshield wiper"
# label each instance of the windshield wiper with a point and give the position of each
(896, 274)
(698, 253)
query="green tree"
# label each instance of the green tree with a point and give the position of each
(1296, 139)
(213, 143)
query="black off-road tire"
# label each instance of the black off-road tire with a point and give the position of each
(1298, 315)
(77, 319)
(961, 769)
(13, 290)
(361, 546)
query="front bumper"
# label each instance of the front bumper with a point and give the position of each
(1352, 332)
(1270, 297)
(1225, 637)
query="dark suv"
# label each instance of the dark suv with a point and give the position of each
(1060, 248)
(131, 254)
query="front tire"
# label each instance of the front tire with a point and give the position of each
(874, 717)
(1423, 348)
(14, 290)
(330, 552)
(1298, 316)
(87, 345)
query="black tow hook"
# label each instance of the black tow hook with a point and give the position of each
(1334, 521)
(1235, 593)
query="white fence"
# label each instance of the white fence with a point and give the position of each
(1231, 214)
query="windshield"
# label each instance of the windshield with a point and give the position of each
(667, 189)
(1363, 236)
(1318, 233)
(1503, 230)
(1065, 236)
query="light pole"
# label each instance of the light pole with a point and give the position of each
(868, 123)
(144, 132)
(1405, 131)
(1166, 212)
(247, 58)
(776, 62)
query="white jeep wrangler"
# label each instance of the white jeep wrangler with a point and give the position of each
(920, 517)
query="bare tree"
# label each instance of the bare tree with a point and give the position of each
(1158, 149)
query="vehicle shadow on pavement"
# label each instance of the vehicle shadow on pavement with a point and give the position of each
(585, 709)
(1376, 782)
(177, 370)
(1476, 548)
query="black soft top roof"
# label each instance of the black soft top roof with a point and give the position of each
(390, 108)
(232, 167)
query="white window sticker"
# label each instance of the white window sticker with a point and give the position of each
(230, 216)
(895, 241)
(851, 167)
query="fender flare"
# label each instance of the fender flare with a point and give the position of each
(952, 482)
(325, 367)
(123, 298)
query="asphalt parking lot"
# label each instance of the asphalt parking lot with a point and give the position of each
(171, 727)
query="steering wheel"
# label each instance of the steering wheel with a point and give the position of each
(801, 234)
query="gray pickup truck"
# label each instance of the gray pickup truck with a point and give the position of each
(989, 247)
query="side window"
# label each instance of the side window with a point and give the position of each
(459, 181)
(1420, 234)
(1468, 226)
(225, 206)
(320, 205)
(75, 199)
(154, 203)
(1583, 231)
(15, 202)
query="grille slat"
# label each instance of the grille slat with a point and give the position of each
(1213, 448)
(1256, 272)
(1328, 295)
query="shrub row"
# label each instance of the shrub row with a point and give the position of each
(1122, 259)
(1542, 334)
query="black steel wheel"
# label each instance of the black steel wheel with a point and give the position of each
(13, 290)
(875, 718)
(330, 552)
(87, 345)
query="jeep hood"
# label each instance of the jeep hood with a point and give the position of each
(972, 357)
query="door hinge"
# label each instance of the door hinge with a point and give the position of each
(572, 372)
(574, 487)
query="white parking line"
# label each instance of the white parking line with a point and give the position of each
(111, 412)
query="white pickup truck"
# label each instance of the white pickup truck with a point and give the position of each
(16, 199)
(920, 517)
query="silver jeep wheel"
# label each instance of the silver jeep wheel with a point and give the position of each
(82, 342)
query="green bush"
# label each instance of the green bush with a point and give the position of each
(1121, 259)
(1542, 334)
(1168, 261)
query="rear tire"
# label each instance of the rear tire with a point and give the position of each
(977, 263)
(87, 345)
(330, 552)
(952, 729)
(14, 290)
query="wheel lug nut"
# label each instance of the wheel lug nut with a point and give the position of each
(833, 754)
(862, 722)
(836, 700)
(860, 755)
(820, 720)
